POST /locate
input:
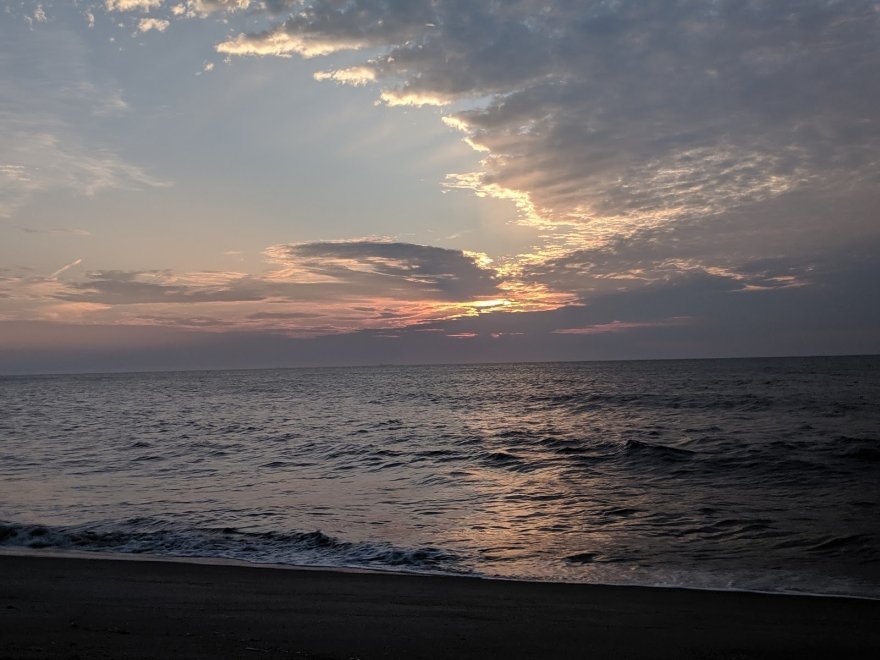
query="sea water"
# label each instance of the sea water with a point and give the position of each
(759, 474)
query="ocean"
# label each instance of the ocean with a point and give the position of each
(752, 474)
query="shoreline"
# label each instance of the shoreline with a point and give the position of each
(64, 606)
(71, 553)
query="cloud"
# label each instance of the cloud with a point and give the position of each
(207, 7)
(322, 28)
(50, 105)
(622, 116)
(58, 272)
(398, 267)
(357, 75)
(743, 244)
(131, 5)
(759, 295)
(41, 157)
(694, 314)
(147, 24)
(617, 116)
(310, 288)
(618, 326)
(307, 272)
(723, 321)
(680, 159)
(261, 316)
(116, 287)
(652, 141)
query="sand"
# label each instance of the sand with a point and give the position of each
(100, 608)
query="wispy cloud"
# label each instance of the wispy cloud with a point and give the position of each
(64, 268)
(38, 161)
(60, 231)
(43, 144)
(619, 326)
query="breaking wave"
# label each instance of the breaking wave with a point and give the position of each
(294, 548)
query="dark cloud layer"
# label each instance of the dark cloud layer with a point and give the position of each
(315, 272)
(693, 315)
(444, 273)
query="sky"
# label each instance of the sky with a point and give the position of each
(258, 183)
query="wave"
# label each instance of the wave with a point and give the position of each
(297, 548)
(650, 451)
(148, 536)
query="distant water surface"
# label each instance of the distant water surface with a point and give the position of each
(756, 474)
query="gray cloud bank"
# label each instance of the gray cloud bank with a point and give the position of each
(626, 109)
(664, 140)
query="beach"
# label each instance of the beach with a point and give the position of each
(119, 608)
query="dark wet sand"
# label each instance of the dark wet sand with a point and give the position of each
(99, 608)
